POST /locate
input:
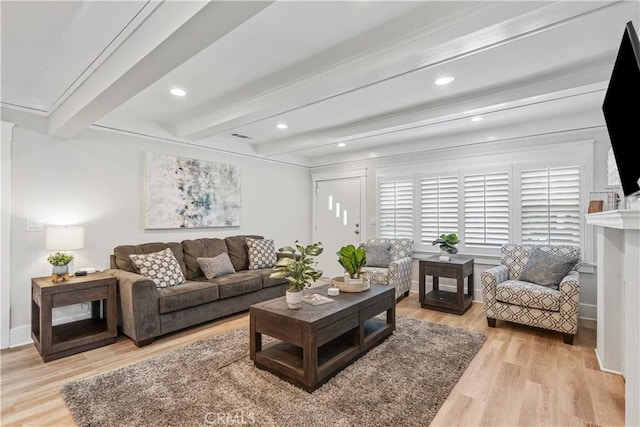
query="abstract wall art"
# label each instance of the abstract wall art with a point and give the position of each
(190, 193)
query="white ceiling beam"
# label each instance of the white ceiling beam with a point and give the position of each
(584, 77)
(174, 33)
(492, 23)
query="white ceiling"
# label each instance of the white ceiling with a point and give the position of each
(358, 72)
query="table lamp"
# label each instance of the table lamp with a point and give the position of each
(63, 239)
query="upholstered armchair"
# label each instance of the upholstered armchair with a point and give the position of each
(398, 272)
(508, 296)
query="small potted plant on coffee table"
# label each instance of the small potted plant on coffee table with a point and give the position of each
(352, 259)
(298, 267)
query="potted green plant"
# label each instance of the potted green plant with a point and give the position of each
(298, 267)
(60, 262)
(352, 259)
(447, 243)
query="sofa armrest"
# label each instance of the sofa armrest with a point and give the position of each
(138, 312)
(490, 279)
(400, 275)
(569, 299)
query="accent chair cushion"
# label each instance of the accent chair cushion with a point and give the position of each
(161, 267)
(262, 253)
(547, 269)
(216, 266)
(378, 254)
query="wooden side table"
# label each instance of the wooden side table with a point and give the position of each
(458, 267)
(54, 342)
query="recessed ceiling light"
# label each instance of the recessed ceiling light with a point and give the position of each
(444, 80)
(341, 144)
(476, 118)
(178, 92)
(281, 126)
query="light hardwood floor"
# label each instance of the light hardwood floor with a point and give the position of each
(521, 376)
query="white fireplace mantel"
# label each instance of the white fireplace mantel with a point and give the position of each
(618, 287)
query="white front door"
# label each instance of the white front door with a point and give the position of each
(338, 220)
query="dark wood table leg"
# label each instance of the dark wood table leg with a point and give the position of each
(460, 289)
(436, 282)
(470, 289)
(310, 359)
(46, 338)
(255, 338)
(421, 286)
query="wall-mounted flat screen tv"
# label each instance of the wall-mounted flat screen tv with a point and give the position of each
(621, 108)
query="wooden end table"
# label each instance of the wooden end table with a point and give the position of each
(315, 342)
(458, 267)
(54, 342)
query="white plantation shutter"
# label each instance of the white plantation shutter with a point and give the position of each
(438, 207)
(396, 209)
(551, 206)
(486, 209)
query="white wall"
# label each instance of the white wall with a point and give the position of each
(469, 154)
(96, 180)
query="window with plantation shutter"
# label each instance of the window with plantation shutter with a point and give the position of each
(486, 209)
(396, 209)
(438, 207)
(551, 206)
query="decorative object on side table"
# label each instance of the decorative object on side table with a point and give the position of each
(447, 243)
(299, 269)
(60, 262)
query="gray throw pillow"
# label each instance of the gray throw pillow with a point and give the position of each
(547, 269)
(216, 266)
(378, 254)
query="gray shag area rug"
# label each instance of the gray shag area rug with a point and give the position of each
(401, 382)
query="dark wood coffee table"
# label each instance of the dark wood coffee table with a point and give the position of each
(316, 342)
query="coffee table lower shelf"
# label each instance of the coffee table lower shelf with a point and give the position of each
(287, 360)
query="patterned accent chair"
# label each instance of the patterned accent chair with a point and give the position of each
(508, 298)
(398, 274)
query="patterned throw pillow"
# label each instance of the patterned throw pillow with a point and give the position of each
(262, 253)
(378, 254)
(547, 269)
(216, 266)
(161, 267)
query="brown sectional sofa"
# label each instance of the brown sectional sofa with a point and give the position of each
(145, 312)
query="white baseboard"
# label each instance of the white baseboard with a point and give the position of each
(604, 369)
(21, 335)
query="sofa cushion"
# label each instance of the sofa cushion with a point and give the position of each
(123, 262)
(528, 294)
(200, 248)
(262, 253)
(376, 275)
(378, 254)
(239, 251)
(216, 266)
(547, 269)
(240, 283)
(268, 282)
(186, 295)
(161, 267)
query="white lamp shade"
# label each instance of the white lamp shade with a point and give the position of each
(65, 238)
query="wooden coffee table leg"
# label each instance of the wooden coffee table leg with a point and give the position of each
(310, 359)
(255, 339)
